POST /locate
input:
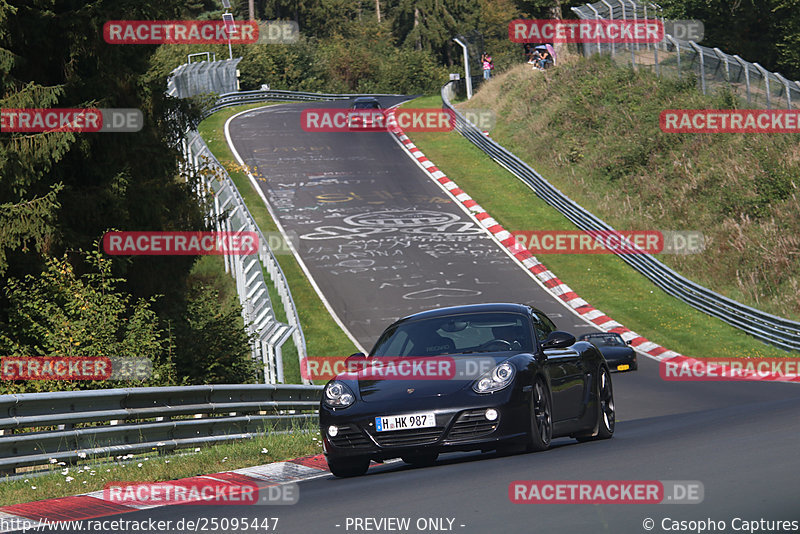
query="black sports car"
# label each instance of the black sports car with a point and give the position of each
(619, 355)
(499, 376)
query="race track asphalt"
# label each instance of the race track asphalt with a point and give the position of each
(378, 236)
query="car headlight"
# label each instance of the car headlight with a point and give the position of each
(495, 380)
(338, 395)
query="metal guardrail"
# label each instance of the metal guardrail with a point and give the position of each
(100, 423)
(230, 214)
(251, 97)
(678, 58)
(253, 295)
(769, 328)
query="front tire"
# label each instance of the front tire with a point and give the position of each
(606, 414)
(541, 412)
(348, 467)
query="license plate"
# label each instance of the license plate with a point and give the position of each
(405, 422)
(623, 367)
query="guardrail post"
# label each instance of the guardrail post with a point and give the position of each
(778, 331)
(702, 65)
(787, 85)
(655, 58)
(658, 8)
(466, 67)
(724, 57)
(765, 74)
(610, 16)
(798, 87)
(597, 18)
(628, 45)
(746, 67)
(678, 50)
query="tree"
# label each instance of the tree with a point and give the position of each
(62, 313)
(213, 346)
(766, 32)
(28, 201)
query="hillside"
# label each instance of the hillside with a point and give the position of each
(592, 130)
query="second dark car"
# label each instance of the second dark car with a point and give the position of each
(366, 113)
(619, 355)
(502, 378)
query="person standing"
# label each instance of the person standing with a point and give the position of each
(486, 59)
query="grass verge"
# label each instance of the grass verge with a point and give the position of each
(605, 281)
(592, 128)
(92, 475)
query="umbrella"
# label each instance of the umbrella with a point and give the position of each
(541, 47)
(552, 52)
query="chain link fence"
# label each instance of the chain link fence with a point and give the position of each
(204, 77)
(474, 42)
(713, 69)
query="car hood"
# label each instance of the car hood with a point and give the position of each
(462, 371)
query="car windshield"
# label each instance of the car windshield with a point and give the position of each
(366, 105)
(605, 340)
(456, 334)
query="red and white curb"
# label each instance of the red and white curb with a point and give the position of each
(546, 278)
(93, 505)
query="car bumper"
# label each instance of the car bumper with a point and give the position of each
(458, 428)
(626, 363)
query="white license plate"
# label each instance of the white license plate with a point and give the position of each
(405, 422)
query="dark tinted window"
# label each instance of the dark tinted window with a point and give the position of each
(454, 334)
(604, 339)
(366, 105)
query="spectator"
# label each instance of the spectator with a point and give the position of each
(545, 58)
(528, 47)
(535, 58)
(486, 59)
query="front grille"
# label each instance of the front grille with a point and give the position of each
(402, 438)
(350, 436)
(472, 424)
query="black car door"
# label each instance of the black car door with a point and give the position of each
(566, 373)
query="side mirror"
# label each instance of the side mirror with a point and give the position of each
(558, 340)
(629, 342)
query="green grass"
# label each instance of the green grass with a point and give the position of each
(323, 336)
(92, 475)
(604, 281)
(211, 268)
(592, 129)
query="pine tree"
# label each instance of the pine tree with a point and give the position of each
(27, 200)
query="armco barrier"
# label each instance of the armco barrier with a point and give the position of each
(251, 97)
(98, 423)
(771, 329)
(228, 212)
